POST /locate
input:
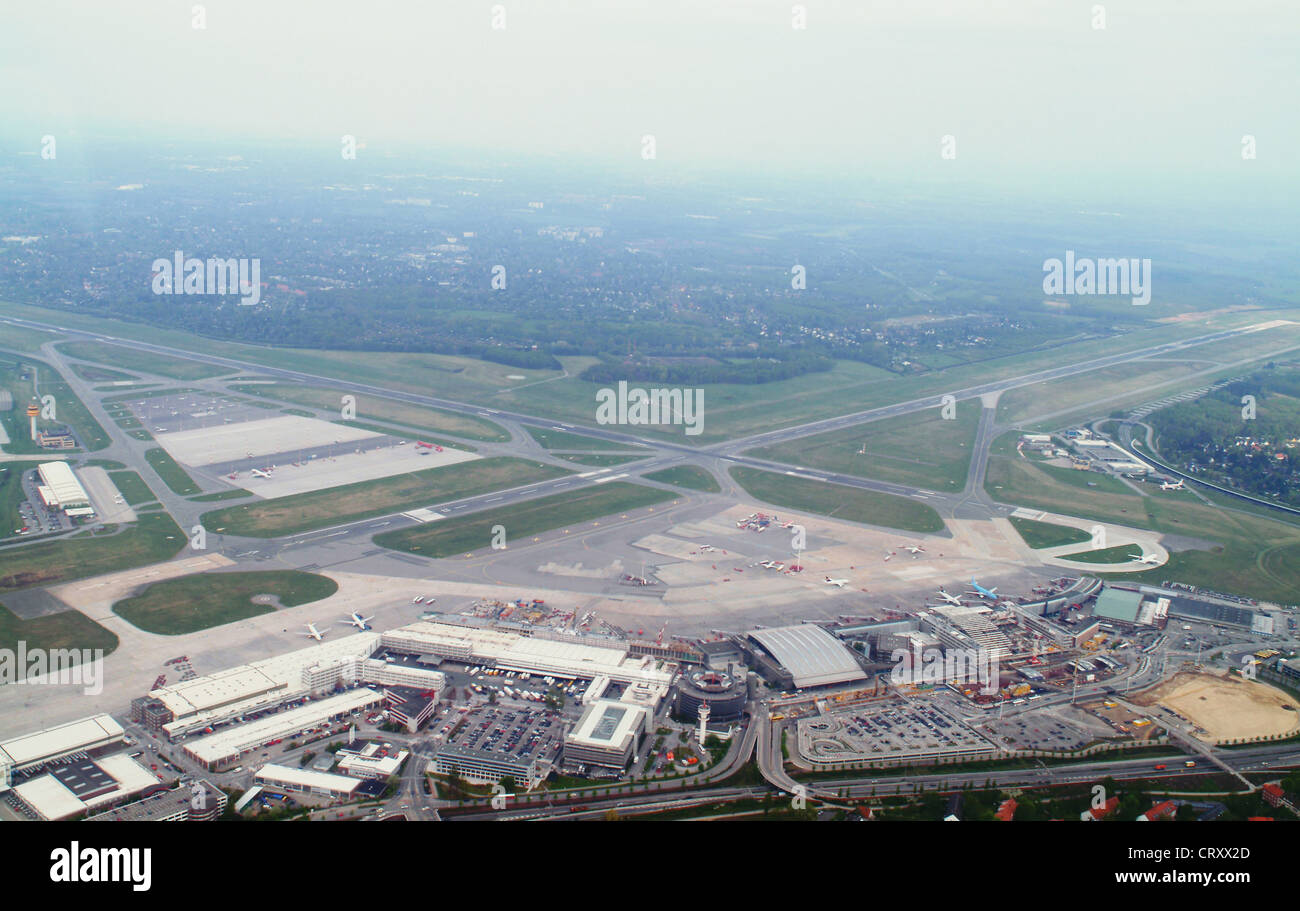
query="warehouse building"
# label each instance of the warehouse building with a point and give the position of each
(226, 746)
(31, 751)
(803, 656)
(606, 735)
(71, 789)
(286, 780)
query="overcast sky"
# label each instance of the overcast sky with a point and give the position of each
(1023, 86)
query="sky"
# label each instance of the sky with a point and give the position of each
(1026, 89)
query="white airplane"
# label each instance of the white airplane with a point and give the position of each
(990, 593)
(951, 599)
(838, 583)
(258, 473)
(361, 623)
(705, 548)
(313, 632)
(1150, 558)
(1176, 485)
(914, 548)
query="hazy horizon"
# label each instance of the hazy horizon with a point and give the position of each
(1030, 91)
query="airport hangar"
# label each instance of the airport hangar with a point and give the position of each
(801, 656)
(59, 489)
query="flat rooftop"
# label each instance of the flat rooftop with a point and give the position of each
(65, 738)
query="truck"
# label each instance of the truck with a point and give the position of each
(1189, 764)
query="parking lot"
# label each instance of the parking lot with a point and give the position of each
(903, 731)
(529, 733)
(1038, 731)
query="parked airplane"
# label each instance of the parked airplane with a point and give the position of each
(1172, 485)
(313, 632)
(1150, 558)
(951, 599)
(838, 583)
(258, 473)
(914, 548)
(705, 548)
(361, 623)
(990, 593)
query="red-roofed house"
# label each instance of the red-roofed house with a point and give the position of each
(1007, 811)
(1098, 813)
(1163, 810)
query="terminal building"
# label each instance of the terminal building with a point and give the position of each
(30, 752)
(802, 656)
(569, 657)
(199, 703)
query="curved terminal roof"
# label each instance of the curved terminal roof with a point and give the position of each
(812, 656)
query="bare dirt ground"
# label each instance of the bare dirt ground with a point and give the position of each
(1226, 707)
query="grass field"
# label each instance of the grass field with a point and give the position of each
(28, 341)
(1011, 479)
(1124, 553)
(11, 496)
(146, 394)
(689, 476)
(112, 355)
(133, 487)
(1047, 534)
(366, 499)
(191, 603)
(416, 417)
(563, 439)
(469, 533)
(1250, 554)
(93, 374)
(171, 473)
(598, 459)
(1128, 385)
(25, 378)
(68, 629)
(837, 501)
(730, 410)
(920, 450)
(238, 494)
(151, 539)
